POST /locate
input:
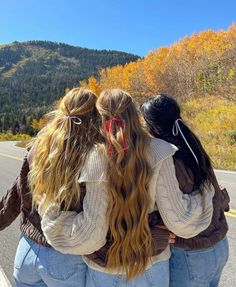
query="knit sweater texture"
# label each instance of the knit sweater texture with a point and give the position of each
(186, 215)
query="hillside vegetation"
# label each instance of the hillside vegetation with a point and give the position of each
(200, 72)
(203, 64)
(34, 74)
(214, 121)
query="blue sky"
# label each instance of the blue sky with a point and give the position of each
(125, 25)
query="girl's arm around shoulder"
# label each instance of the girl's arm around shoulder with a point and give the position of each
(186, 215)
(79, 233)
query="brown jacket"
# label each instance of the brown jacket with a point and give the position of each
(18, 200)
(213, 234)
(218, 228)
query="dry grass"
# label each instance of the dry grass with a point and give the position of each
(214, 121)
(11, 137)
(22, 144)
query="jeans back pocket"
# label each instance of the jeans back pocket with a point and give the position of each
(23, 252)
(201, 265)
(63, 266)
(100, 279)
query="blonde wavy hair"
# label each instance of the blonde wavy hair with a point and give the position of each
(61, 148)
(128, 176)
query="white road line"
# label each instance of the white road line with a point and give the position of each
(4, 282)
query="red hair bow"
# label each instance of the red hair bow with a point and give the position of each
(109, 128)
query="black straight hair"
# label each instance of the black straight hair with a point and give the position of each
(160, 114)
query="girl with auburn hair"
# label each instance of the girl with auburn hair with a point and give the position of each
(51, 170)
(197, 261)
(133, 175)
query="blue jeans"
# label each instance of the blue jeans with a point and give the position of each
(40, 266)
(156, 276)
(198, 268)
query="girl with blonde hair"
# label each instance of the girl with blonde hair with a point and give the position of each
(132, 175)
(51, 169)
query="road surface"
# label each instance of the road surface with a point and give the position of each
(10, 163)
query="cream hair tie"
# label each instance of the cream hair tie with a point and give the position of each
(77, 121)
(175, 131)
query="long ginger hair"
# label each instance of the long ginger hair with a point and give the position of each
(61, 148)
(128, 175)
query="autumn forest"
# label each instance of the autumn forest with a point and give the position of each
(199, 71)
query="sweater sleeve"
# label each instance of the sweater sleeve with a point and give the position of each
(79, 233)
(186, 215)
(10, 204)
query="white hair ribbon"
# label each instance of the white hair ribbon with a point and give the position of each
(77, 121)
(175, 131)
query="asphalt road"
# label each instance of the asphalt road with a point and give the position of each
(10, 163)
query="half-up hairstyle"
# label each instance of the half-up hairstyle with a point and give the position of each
(160, 113)
(128, 173)
(61, 148)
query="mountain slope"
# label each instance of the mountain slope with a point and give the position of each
(34, 74)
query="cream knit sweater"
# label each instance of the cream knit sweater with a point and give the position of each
(185, 215)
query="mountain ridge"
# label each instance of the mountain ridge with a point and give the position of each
(33, 74)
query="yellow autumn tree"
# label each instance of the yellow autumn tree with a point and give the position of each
(200, 64)
(94, 85)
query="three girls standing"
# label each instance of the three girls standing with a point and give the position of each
(121, 179)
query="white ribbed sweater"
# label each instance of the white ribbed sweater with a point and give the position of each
(185, 215)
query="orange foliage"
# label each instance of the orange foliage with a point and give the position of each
(93, 85)
(201, 64)
(37, 125)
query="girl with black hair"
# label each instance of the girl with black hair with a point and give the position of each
(197, 261)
